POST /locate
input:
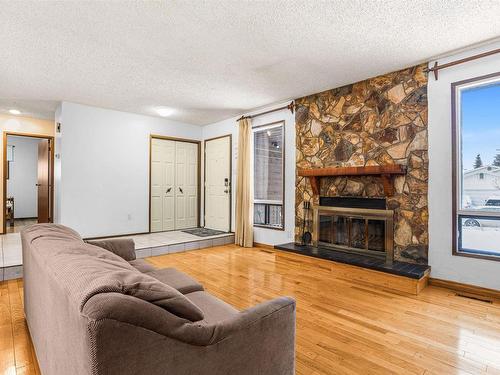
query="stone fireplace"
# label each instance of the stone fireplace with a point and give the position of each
(355, 225)
(378, 123)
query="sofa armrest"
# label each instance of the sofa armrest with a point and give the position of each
(123, 247)
(282, 308)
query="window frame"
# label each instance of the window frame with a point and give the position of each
(275, 124)
(456, 166)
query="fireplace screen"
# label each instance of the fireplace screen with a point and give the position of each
(357, 233)
(366, 231)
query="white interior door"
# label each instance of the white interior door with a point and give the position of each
(218, 184)
(186, 185)
(162, 185)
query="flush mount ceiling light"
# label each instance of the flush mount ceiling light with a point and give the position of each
(14, 111)
(164, 111)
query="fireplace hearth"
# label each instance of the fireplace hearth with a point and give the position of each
(355, 225)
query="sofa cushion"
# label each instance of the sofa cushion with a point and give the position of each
(142, 266)
(147, 288)
(101, 275)
(214, 309)
(176, 279)
(123, 247)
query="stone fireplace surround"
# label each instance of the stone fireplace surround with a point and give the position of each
(378, 122)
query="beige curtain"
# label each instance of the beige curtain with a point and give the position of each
(244, 186)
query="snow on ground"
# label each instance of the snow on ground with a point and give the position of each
(481, 238)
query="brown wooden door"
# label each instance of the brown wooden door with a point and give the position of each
(44, 183)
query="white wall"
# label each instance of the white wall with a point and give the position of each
(103, 187)
(23, 175)
(229, 126)
(485, 273)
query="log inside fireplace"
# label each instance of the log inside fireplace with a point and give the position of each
(355, 225)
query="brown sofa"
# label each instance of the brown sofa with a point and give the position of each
(92, 308)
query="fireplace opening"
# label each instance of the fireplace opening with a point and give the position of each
(354, 202)
(360, 229)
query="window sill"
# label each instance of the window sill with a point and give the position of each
(268, 227)
(476, 255)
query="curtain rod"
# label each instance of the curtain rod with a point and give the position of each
(290, 106)
(437, 67)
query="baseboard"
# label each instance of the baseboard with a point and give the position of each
(26, 218)
(466, 288)
(263, 246)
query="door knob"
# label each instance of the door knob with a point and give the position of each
(169, 189)
(226, 191)
(38, 184)
(180, 189)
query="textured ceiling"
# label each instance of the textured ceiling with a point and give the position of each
(211, 60)
(42, 109)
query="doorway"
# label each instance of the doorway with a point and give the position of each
(174, 184)
(218, 183)
(28, 180)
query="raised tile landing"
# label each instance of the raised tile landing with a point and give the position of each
(146, 245)
(406, 277)
(414, 271)
(160, 243)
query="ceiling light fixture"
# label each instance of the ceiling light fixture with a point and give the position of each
(14, 111)
(164, 111)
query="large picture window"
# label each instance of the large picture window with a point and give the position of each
(476, 148)
(269, 156)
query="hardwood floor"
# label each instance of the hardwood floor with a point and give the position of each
(17, 355)
(343, 326)
(19, 225)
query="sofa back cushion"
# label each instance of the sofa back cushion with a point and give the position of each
(144, 287)
(123, 247)
(84, 270)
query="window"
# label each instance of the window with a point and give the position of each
(476, 182)
(269, 154)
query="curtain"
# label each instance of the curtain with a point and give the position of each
(244, 186)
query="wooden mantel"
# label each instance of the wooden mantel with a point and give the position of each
(385, 172)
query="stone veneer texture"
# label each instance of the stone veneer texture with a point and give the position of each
(380, 121)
